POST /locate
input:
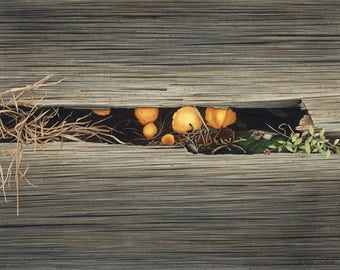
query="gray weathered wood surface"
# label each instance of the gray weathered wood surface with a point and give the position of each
(169, 53)
(124, 207)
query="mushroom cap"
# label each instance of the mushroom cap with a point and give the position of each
(168, 139)
(219, 118)
(101, 112)
(150, 130)
(186, 119)
(146, 115)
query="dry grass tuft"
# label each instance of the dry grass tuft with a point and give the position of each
(27, 124)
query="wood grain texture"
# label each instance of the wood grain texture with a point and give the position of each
(141, 53)
(125, 207)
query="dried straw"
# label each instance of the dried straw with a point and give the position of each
(27, 124)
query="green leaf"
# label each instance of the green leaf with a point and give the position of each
(290, 148)
(336, 141)
(279, 149)
(322, 134)
(309, 139)
(318, 144)
(281, 142)
(315, 150)
(294, 137)
(311, 130)
(272, 146)
(298, 141)
(302, 147)
(328, 153)
(304, 134)
(307, 147)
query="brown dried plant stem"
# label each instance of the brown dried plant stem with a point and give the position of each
(20, 150)
(29, 124)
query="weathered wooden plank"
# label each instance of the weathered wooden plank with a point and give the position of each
(123, 207)
(126, 207)
(137, 53)
(324, 111)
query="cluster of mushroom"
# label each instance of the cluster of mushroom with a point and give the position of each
(146, 117)
(184, 120)
(188, 118)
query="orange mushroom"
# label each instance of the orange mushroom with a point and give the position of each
(219, 118)
(150, 130)
(101, 112)
(186, 119)
(168, 139)
(146, 115)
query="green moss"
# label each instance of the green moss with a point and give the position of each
(253, 146)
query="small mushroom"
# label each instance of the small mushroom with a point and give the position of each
(101, 112)
(150, 130)
(146, 115)
(168, 139)
(219, 118)
(186, 119)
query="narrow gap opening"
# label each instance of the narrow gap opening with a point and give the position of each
(252, 132)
